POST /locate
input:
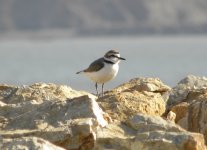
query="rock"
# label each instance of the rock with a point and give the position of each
(146, 132)
(146, 123)
(38, 92)
(144, 84)
(32, 114)
(180, 110)
(49, 116)
(157, 133)
(115, 136)
(55, 113)
(197, 117)
(191, 104)
(171, 116)
(180, 92)
(159, 140)
(27, 143)
(2, 104)
(143, 95)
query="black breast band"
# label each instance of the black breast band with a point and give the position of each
(109, 62)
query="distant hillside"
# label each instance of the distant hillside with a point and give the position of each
(89, 17)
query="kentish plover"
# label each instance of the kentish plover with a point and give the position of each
(103, 69)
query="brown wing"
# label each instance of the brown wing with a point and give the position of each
(95, 66)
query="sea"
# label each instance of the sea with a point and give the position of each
(56, 60)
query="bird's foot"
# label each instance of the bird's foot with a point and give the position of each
(100, 95)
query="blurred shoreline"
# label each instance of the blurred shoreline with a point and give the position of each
(67, 34)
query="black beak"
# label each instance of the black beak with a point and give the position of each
(122, 58)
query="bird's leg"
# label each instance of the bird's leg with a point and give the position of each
(103, 89)
(96, 85)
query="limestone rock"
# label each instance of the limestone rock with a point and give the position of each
(180, 92)
(197, 117)
(27, 143)
(188, 101)
(146, 123)
(191, 107)
(196, 113)
(54, 113)
(2, 104)
(159, 140)
(171, 116)
(180, 110)
(49, 116)
(146, 132)
(38, 92)
(144, 84)
(115, 136)
(143, 95)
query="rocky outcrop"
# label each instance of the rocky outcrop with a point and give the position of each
(39, 92)
(140, 95)
(144, 132)
(180, 92)
(28, 143)
(49, 116)
(191, 114)
(58, 114)
(189, 102)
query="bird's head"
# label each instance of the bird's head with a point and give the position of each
(113, 56)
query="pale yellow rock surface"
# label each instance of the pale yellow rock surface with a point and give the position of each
(28, 143)
(171, 116)
(180, 110)
(140, 95)
(126, 118)
(51, 112)
(197, 116)
(144, 132)
(191, 105)
(38, 92)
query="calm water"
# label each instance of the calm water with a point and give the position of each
(57, 61)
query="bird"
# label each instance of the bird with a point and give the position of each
(103, 69)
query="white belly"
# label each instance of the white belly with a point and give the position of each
(105, 74)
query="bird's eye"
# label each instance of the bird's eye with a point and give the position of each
(113, 56)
